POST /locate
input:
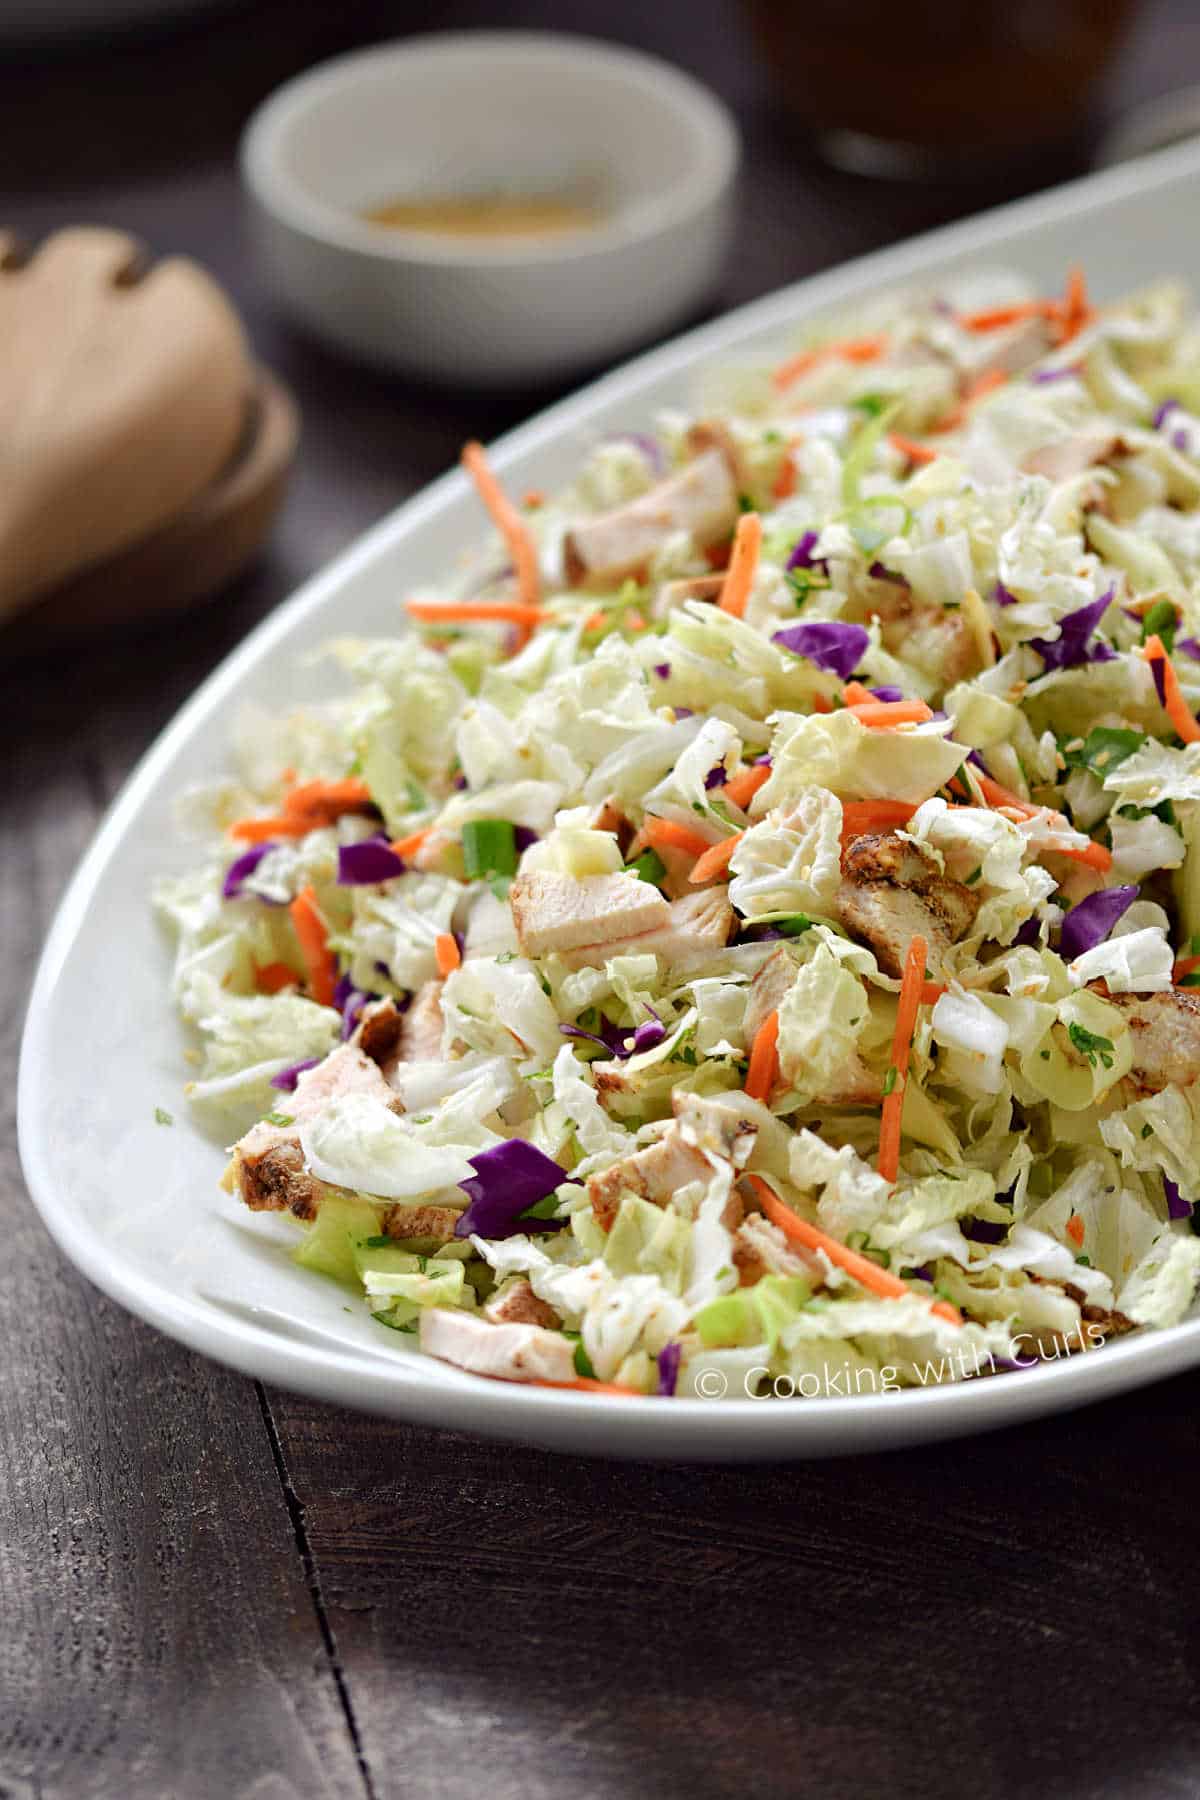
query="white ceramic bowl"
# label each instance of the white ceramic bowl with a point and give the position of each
(466, 112)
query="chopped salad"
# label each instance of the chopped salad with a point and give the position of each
(741, 934)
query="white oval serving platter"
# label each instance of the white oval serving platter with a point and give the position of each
(136, 1205)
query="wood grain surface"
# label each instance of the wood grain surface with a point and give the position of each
(209, 1590)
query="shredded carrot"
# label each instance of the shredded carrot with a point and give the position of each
(881, 715)
(666, 833)
(995, 795)
(868, 1274)
(715, 860)
(764, 1059)
(860, 817)
(912, 984)
(288, 776)
(408, 846)
(1075, 1229)
(1185, 966)
(717, 556)
(916, 453)
(508, 522)
(1093, 856)
(994, 318)
(742, 788)
(743, 561)
(975, 390)
(821, 703)
(533, 498)
(587, 1385)
(258, 831)
(1176, 707)
(855, 350)
(1074, 311)
(447, 952)
(784, 485)
(931, 992)
(634, 622)
(319, 959)
(855, 694)
(487, 612)
(270, 978)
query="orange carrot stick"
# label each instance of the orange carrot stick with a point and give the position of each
(1093, 856)
(665, 832)
(764, 1059)
(911, 986)
(1176, 707)
(258, 831)
(994, 318)
(742, 788)
(743, 561)
(408, 846)
(868, 1274)
(1075, 1230)
(487, 612)
(1185, 966)
(855, 694)
(508, 522)
(995, 795)
(588, 1385)
(916, 453)
(447, 952)
(330, 798)
(859, 817)
(319, 959)
(715, 860)
(270, 978)
(882, 715)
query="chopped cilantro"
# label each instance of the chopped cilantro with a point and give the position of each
(162, 1116)
(1091, 1044)
(583, 1363)
(889, 1080)
(649, 867)
(1104, 749)
(279, 1118)
(974, 876)
(376, 1243)
(1161, 621)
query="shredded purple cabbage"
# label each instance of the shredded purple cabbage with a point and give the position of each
(618, 1040)
(717, 776)
(242, 867)
(1003, 596)
(662, 670)
(508, 1180)
(1180, 440)
(1177, 1206)
(973, 756)
(1168, 406)
(287, 1078)
(984, 1231)
(350, 1001)
(1089, 923)
(668, 1369)
(1041, 376)
(1190, 647)
(1030, 932)
(827, 643)
(649, 446)
(802, 555)
(1160, 679)
(878, 572)
(888, 693)
(1072, 648)
(373, 860)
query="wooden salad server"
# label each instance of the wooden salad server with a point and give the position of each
(123, 395)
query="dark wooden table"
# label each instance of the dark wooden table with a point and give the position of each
(208, 1589)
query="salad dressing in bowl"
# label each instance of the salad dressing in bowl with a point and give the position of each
(484, 216)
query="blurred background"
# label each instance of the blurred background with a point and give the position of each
(860, 125)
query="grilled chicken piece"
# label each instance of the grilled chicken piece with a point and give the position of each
(379, 1030)
(508, 1352)
(1070, 456)
(1166, 1035)
(697, 925)
(517, 1304)
(941, 643)
(760, 1248)
(424, 1224)
(718, 1123)
(554, 912)
(891, 890)
(652, 1174)
(701, 499)
(268, 1169)
(420, 1038)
